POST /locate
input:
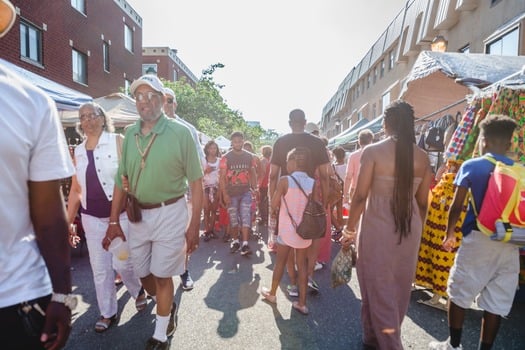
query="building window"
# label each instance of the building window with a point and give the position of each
(79, 67)
(465, 49)
(385, 101)
(368, 81)
(30, 42)
(79, 5)
(375, 74)
(105, 55)
(359, 115)
(174, 75)
(506, 45)
(374, 110)
(382, 71)
(391, 60)
(128, 38)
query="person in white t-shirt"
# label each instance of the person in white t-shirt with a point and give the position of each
(35, 276)
(210, 181)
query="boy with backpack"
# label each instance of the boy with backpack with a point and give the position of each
(483, 268)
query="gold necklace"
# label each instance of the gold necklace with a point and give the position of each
(144, 153)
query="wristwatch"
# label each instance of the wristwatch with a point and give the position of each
(69, 300)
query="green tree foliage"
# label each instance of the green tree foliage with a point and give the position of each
(204, 107)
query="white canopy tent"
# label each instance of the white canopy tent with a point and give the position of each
(120, 107)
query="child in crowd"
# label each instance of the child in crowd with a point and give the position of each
(210, 181)
(289, 201)
(482, 267)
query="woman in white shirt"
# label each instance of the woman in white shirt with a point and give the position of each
(210, 181)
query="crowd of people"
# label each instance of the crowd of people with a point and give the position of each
(117, 190)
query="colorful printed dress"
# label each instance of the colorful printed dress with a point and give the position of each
(434, 262)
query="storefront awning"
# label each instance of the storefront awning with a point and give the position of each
(64, 97)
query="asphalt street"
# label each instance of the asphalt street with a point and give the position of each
(225, 310)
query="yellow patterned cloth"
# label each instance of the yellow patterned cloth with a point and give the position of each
(434, 263)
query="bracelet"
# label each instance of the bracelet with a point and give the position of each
(346, 231)
(114, 223)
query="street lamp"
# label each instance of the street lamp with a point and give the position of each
(439, 44)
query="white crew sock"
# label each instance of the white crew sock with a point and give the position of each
(244, 243)
(161, 325)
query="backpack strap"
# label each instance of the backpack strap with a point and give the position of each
(298, 185)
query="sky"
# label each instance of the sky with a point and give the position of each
(278, 54)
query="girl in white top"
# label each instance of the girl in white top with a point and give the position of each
(288, 191)
(210, 181)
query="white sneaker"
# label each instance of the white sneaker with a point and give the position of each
(443, 345)
(318, 266)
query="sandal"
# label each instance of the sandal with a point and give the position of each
(103, 324)
(141, 301)
(265, 292)
(302, 309)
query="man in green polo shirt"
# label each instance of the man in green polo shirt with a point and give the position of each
(159, 159)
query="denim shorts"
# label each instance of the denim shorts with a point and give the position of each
(239, 210)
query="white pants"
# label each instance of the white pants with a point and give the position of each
(103, 262)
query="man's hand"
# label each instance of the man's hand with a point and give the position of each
(226, 200)
(57, 326)
(192, 238)
(112, 232)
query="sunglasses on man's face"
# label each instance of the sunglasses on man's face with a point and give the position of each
(169, 100)
(146, 97)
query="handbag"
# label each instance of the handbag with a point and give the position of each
(341, 270)
(133, 208)
(313, 221)
(132, 203)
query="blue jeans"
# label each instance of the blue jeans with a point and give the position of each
(239, 210)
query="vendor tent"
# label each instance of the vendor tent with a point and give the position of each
(223, 142)
(120, 107)
(440, 79)
(345, 141)
(332, 142)
(64, 97)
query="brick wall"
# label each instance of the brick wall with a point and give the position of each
(62, 24)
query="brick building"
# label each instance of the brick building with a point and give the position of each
(93, 47)
(165, 63)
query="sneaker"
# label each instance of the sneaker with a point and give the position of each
(206, 236)
(245, 250)
(171, 324)
(154, 344)
(313, 285)
(443, 345)
(186, 281)
(292, 290)
(234, 247)
(318, 266)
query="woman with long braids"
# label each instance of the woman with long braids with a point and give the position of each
(391, 194)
